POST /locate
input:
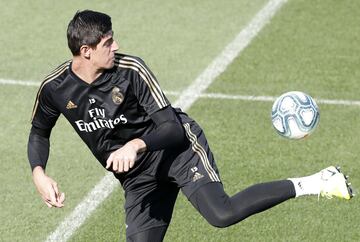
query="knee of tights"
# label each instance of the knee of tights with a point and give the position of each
(221, 219)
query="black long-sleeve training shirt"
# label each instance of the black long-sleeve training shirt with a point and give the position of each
(124, 103)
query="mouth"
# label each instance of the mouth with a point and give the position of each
(112, 61)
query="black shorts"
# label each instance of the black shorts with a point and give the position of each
(151, 194)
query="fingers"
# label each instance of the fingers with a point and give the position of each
(115, 165)
(56, 198)
(48, 204)
(56, 189)
(109, 161)
(126, 166)
(122, 160)
(59, 203)
(62, 198)
(131, 164)
(52, 196)
(48, 190)
(120, 166)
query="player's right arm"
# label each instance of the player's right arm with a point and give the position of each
(44, 118)
(38, 153)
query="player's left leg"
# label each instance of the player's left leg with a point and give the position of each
(149, 205)
(151, 235)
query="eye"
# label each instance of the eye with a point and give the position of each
(109, 42)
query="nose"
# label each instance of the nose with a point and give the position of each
(114, 46)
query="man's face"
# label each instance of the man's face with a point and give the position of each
(103, 55)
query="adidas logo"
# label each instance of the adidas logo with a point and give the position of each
(197, 176)
(300, 185)
(71, 105)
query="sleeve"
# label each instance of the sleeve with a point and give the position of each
(38, 147)
(44, 118)
(169, 132)
(45, 114)
(146, 86)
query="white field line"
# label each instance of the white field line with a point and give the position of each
(212, 95)
(102, 190)
(19, 83)
(272, 99)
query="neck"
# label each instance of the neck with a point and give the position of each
(85, 71)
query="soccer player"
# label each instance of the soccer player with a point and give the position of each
(115, 104)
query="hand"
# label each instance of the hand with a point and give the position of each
(123, 159)
(48, 188)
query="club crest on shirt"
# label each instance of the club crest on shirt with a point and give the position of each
(117, 96)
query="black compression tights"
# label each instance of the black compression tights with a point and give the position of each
(220, 210)
(151, 235)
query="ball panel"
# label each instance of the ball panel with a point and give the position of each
(307, 116)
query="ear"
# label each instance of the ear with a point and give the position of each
(85, 51)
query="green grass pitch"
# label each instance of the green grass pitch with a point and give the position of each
(309, 45)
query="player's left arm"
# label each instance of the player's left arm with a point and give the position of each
(169, 133)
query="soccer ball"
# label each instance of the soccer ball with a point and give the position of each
(295, 115)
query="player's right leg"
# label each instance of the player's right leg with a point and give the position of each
(199, 180)
(220, 210)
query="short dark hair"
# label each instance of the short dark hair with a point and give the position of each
(87, 28)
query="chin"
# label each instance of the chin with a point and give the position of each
(110, 65)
